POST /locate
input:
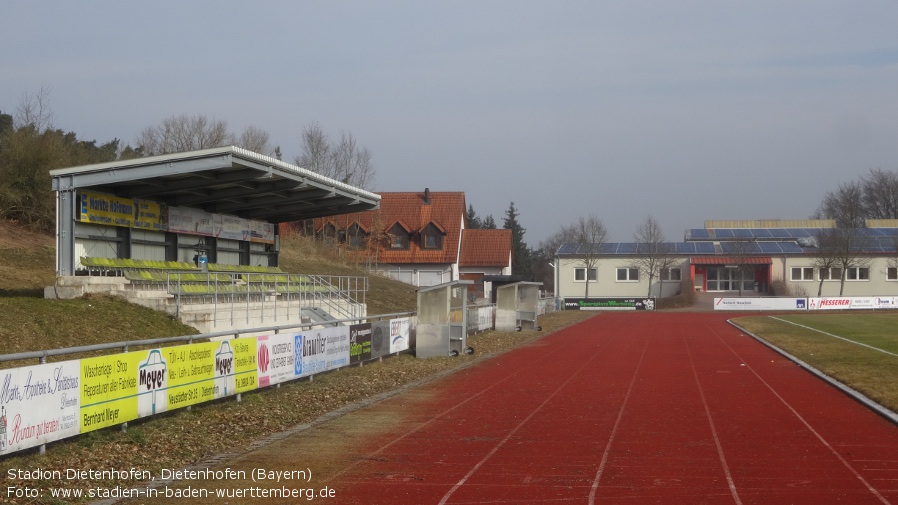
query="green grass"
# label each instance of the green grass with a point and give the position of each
(873, 373)
(31, 323)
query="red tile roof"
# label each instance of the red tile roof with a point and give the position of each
(481, 247)
(446, 210)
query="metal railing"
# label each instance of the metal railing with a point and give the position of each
(271, 295)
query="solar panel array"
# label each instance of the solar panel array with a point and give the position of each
(732, 248)
(751, 233)
(752, 241)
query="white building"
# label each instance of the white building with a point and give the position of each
(733, 256)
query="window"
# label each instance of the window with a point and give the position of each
(330, 234)
(398, 237)
(831, 274)
(802, 273)
(892, 273)
(627, 274)
(671, 274)
(580, 274)
(356, 236)
(857, 274)
(432, 241)
(431, 237)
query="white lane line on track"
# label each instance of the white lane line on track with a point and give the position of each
(836, 336)
(807, 425)
(517, 428)
(418, 428)
(620, 415)
(723, 459)
(428, 423)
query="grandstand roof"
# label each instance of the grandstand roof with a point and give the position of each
(224, 180)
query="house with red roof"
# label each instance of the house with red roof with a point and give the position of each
(421, 238)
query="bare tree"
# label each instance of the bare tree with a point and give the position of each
(880, 194)
(346, 161)
(843, 249)
(542, 267)
(34, 111)
(590, 234)
(256, 140)
(826, 260)
(653, 254)
(845, 206)
(316, 151)
(351, 163)
(184, 133)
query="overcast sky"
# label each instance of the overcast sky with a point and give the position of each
(686, 110)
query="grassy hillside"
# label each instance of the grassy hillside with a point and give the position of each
(27, 265)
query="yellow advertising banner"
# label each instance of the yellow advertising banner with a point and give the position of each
(108, 390)
(191, 374)
(107, 209)
(120, 388)
(246, 370)
(150, 216)
(111, 210)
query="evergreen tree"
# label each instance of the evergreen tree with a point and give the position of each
(488, 223)
(5, 122)
(473, 220)
(521, 256)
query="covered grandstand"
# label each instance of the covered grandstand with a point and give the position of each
(198, 225)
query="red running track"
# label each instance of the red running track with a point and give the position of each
(633, 408)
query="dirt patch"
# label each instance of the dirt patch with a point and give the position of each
(15, 236)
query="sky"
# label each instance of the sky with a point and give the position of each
(685, 111)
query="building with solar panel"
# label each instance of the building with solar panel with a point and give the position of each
(798, 258)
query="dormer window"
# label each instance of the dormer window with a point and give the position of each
(398, 237)
(329, 232)
(432, 237)
(356, 236)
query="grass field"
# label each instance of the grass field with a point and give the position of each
(857, 349)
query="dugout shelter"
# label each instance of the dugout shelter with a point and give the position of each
(443, 320)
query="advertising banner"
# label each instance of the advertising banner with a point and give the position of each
(38, 404)
(107, 209)
(230, 227)
(275, 355)
(609, 304)
(190, 221)
(150, 216)
(122, 387)
(109, 388)
(399, 335)
(245, 366)
(359, 342)
(852, 303)
(322, 349)
(44, 403)
(262, 232)
(760, 303)
(380, 339)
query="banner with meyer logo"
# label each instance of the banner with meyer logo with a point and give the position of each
(119, 388)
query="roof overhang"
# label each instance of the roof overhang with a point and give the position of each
(225, 180)
(730, 260)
